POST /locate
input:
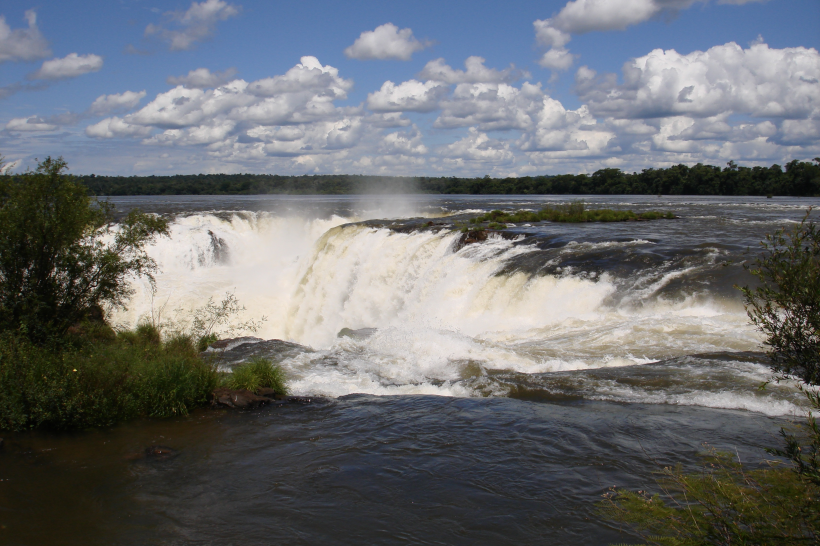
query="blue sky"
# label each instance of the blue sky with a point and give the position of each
(408, 88)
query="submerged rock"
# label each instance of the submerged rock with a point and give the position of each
(238, 398)
(244, 399)
(160, 453)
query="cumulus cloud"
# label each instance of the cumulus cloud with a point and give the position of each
(582, 16)
(70, 66)
(409, 96)
(755, 104)
(288, 115)
(438, 70)
(22, 44)
(202, 78)
(115, 128)
(478, 147)
(105, 104)
(385, 42)
(196, 24)
(408, 143)
(30, 125)
(490, 107)
(759, 81)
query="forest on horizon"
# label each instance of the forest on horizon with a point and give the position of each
(797, 179)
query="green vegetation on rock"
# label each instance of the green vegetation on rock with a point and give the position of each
(572, 213)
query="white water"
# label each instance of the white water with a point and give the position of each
(437, 312)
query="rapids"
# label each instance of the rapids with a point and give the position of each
(483, 393)
(543, 308)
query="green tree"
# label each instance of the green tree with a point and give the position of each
(786, 305)
(61, 257)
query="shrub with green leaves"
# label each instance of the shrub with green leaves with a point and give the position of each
(786, 305)
(60, 255)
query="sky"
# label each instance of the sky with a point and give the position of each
(444, 88)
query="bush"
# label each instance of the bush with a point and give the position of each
(258, 373)
(786, 306)
(100, 384)
(60, 257)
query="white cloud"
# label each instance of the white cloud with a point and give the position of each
(478, 147)
(292, 122)
(409, 143)
(491, 107)
(202, 78)
(116, 128)
(409, 96)
(70, 66)
(557, 58)
(22, 44)
(438, 70)
(385, 42)
(105, 104)
(196, 24)
(30, 125)
(582, 16)
(759, 81)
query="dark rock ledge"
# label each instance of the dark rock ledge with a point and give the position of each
(224, 397)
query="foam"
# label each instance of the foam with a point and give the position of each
(437, 312)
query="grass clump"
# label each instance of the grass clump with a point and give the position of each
(99, 384)
(258, 373)
(575, 212)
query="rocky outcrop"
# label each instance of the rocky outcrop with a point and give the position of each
(244, 399)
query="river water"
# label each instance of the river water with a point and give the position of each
(483, 393)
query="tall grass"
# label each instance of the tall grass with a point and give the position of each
(258, 373)
(135, 374)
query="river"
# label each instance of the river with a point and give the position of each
(484, 393)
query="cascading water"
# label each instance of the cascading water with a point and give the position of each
(563, 359)
(535, 310)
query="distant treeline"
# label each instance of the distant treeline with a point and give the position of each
(798, 178)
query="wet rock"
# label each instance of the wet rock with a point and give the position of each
(239, 350)
(299, 399)
(471, 237)
(238, 398)
(219, 249)
(361, 333)
(233, 342)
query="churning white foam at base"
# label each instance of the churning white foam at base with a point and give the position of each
(439, 311)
